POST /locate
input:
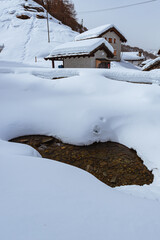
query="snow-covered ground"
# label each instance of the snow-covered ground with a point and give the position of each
(44, 199)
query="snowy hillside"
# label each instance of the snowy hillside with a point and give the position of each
(25, 39)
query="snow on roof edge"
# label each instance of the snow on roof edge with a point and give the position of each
(84, 47)
(96, 32)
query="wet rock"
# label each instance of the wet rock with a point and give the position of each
(112, 163)
(23, 16)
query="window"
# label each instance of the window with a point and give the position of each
(115, 52)
(114, 40)
(110, 40)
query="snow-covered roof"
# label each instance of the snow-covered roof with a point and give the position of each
(147, 61)
(132, 56)
(151, 64)
(75, 48)
(96, 32)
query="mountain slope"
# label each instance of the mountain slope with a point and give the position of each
(23, 31)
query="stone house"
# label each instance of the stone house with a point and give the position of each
(110, 33)
(91, 53)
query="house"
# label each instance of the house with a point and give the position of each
(154, 64)
(110, 33)
(135, 58)
(89, 53)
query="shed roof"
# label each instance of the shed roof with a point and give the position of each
(131, 56)
(151, 64)
(78, 48)
(99, 31)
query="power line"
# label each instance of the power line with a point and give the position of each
(119, 7)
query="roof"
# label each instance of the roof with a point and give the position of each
(146, 61)
(151, 64)
(99, 31)
(85, 47)
(131, 56)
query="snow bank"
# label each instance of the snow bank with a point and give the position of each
(44, 199)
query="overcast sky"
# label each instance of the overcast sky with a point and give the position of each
(139, 24)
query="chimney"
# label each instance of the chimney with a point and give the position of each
(140, 54)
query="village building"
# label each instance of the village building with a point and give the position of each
(95, 48)
(136, 58)
(110, 33)
(91, 53)
(154, 64)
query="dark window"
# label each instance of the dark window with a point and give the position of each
(110, 40)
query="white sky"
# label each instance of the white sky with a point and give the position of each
(139, 24)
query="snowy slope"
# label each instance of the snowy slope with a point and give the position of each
(25, 39)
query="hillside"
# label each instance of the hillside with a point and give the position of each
(23, 31)
(64, 11)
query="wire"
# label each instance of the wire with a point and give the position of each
(119, 7)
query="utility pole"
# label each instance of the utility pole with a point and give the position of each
(45, 2)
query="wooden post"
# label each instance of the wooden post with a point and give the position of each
(53, 64)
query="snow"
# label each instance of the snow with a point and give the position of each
(95, 32)
(63, 202)
(26, 39)
(151, 63)
(41, 198)
(44, 199)
(131, 56)
(146, 61)
(84, 47)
